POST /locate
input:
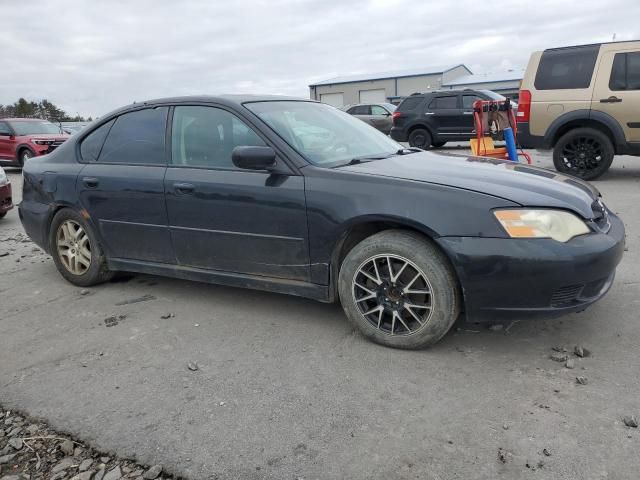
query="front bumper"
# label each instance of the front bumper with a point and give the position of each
(6, 201)
(539, 278)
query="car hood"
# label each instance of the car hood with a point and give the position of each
(517, 182)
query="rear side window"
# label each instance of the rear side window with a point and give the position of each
(625, 74)
(92, 144)
(566, 68)
(360, 110)
(444, 103)
(137, 138)
(410, 103)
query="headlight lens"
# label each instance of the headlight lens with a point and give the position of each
(556, 224)
(43, 142)
(3, 177)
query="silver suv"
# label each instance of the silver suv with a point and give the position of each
(377, 115)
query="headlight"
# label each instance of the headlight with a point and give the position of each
(557, 224)
(43, 142)
(3, 177)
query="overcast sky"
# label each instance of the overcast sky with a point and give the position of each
(93, 56)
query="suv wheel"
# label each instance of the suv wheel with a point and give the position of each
(75, 249)
(420, 138)
(399, 290)
(584, 152)
(25, 154)
(438, 144)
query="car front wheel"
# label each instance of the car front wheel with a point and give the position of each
(399, 290)
(25, 155)
(583, 152)
(75, 249)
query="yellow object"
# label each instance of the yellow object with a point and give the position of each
(486, 148)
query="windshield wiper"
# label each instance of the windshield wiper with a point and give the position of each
(362, 159)
(408, 151)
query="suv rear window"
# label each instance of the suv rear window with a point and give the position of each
(625, 74)
(410, 103)
(566, 68)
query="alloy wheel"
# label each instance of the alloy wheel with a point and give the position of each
(582, 155)
(393, 294)
(74, 248)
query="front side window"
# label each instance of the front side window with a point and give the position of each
(137, 138)
(324, 135)
(378, 110)
(468, 101)
(35, 127)
(566, 68)
(206, 136)
(444, 103)
(625, 73)
(4, 129)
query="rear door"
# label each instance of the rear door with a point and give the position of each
(617, 89)
(444, 112)
(362, 112)
(122, 185)
(227, 219)
(6, 144)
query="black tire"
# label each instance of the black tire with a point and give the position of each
(438, 144)
(97, 271)
(420, 138)
(23, 156)
(393, 247)
(585, 153)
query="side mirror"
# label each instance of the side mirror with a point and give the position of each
(254, 158)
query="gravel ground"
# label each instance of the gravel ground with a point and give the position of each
(215, 382)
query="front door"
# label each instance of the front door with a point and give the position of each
(224, 218)
(6, 144)
(617, 90)
(445, 115)
(121, 186)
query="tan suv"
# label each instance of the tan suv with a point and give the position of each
(584, 102)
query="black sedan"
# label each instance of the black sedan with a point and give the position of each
(297, 197)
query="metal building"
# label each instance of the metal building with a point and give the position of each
(505, 83)
(384, 86)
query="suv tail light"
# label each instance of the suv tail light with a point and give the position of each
(395, 116)
(524, 106)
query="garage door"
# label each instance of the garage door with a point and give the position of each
(335, 99)
(373, 96)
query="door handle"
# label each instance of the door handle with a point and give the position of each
(90, 182)
(429, 113)
(467, 113)
(183, 188)
(611, 99)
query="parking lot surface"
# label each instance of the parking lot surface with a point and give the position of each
(286, 389)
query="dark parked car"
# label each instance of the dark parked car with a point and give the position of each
(6, 202)
(297, 197)
(435, 118)
(23, 138)
(377, 115)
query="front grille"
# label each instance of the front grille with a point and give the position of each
(566, 295)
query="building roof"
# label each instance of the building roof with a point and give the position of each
(413, 72)
(509, 76)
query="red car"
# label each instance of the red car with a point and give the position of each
(6, 203)
(23, 138)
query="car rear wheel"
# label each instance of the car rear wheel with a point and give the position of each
(438, 144)
(25, 155)
(584, 152)
(75, 249)
(420, 138)
(399, 290)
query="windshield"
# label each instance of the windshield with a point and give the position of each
(322, 134)
(34, 127)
